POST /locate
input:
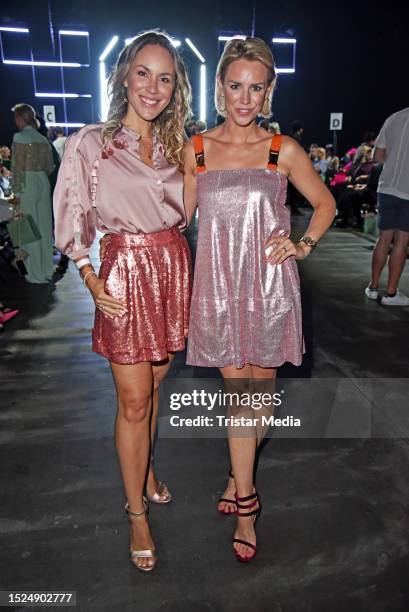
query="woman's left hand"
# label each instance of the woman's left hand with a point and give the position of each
(278, 248)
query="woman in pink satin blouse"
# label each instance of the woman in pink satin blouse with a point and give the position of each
(123, 178)
(246, 308)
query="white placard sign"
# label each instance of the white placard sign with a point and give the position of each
(335, 122)
(49, 114)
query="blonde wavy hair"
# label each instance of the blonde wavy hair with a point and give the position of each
(252, 49)
(169, 125)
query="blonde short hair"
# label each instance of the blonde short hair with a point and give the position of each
(321, 152)
(252, 49)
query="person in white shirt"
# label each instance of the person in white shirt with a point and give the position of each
(59, 141)
(392, 150)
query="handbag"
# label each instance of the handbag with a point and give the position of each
(23, 230)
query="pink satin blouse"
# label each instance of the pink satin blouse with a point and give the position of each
(111, 189)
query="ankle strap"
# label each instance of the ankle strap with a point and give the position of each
(244, 499)
(144, 511)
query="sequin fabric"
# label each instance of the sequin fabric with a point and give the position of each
(243, 309)
(152, 273)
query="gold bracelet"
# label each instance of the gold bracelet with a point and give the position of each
(86, 276)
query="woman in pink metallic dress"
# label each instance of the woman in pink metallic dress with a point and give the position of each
(245, 309)
(124, 178)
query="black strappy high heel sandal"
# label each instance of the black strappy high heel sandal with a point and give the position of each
(241, 511)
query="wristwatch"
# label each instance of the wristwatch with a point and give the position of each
(309, 241)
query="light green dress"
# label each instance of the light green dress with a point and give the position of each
(31, 165)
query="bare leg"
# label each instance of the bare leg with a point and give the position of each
(132, 438)
(380, 255)
(242, 454)
(397, 260)
(263, 382)
(257, 374)
(159, 371)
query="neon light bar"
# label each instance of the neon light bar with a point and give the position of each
(285, 70)
(284, 40)
(108, 48)
(62, 95)
(36, 63)
(55, 124)
(175, 42)
(73, 33)
(195, 50)
(241, 36)
(202, 92)
(7, 29)
(104, 101)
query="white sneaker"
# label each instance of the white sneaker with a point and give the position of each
(372, 294)
(397, 300)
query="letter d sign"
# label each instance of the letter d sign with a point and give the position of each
(335, 122)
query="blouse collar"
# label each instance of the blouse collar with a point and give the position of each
(131, 133)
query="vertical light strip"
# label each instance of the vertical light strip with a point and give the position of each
(203, 92)
(104, 102)
(103, 84)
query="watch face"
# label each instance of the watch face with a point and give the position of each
(310, 241)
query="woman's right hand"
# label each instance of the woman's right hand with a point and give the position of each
(103, 301)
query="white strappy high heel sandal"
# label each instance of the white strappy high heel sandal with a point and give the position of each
(142, 554)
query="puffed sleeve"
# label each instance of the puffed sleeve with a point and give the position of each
(74, 216)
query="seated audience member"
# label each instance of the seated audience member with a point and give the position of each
(5, 182)
(339, 182)
(358, 196)
(369, 141)
(313, 152)
(333, 163)
(5, 156)
(321, 164)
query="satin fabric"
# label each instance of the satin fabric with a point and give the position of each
(243, 309)
(111, 189)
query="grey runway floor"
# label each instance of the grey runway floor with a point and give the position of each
(334, 530)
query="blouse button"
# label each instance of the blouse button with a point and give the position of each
(159, 182)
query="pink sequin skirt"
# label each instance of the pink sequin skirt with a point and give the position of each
(152, 273)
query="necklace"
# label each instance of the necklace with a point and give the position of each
(146, 146)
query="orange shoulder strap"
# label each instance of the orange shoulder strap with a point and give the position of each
(197, 141)
(274, 152)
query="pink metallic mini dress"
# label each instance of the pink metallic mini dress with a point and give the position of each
(243, 309)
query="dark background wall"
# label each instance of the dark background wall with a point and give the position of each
(351, 57)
